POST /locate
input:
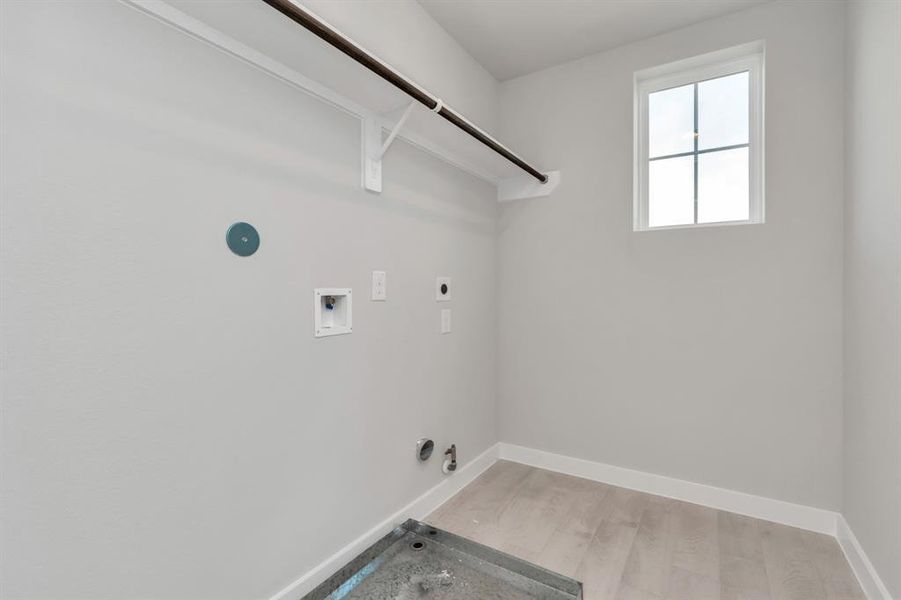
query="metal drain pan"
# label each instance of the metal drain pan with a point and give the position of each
(416, 561)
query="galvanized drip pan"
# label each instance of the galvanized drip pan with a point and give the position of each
(418, 561)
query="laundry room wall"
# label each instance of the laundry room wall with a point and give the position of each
(711, 354)
(171, 428)
(872, 415)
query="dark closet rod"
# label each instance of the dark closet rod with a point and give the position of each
(311, 22)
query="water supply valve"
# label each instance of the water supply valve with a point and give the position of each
(450, 460)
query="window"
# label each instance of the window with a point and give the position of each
(699, 141)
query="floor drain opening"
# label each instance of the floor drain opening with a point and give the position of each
(417, 545)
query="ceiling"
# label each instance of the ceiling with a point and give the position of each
(512, 38)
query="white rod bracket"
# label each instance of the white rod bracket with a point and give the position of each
(396, 129)
(524, 187)
(372, 153)
(373, 148)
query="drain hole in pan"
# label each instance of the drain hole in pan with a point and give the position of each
(417, 545)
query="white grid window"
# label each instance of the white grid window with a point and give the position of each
(699, 141)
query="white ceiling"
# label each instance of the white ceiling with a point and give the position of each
(515, 37)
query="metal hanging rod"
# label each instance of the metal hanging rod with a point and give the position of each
(335, 38)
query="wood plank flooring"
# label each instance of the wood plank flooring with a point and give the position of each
(627, 545)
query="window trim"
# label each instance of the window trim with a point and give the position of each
(747, 57)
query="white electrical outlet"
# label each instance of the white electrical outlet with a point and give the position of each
(443, 289)
(379, 286)
(445, 320)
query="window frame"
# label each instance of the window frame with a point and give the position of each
(747, 57)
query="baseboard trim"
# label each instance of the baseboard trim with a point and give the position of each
(778, 511)
(869, 579)
(417, 509)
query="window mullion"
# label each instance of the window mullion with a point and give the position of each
(696, 152)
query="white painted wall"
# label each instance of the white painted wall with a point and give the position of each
(171, 428)
(712, 355)
(872, 415)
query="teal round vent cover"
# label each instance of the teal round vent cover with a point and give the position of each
(242, 239)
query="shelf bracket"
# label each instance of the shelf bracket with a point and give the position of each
(372, 153)
(374, 149)
(396, 129)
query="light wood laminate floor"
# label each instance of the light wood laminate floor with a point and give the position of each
(627, 545)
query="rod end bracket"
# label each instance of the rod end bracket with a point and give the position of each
(524, 187)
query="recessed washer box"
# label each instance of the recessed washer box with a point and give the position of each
(332, 311)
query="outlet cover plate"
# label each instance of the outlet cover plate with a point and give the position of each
(379, 286)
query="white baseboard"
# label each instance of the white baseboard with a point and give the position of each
(778, 511)
(417, 509)
(869, 579)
